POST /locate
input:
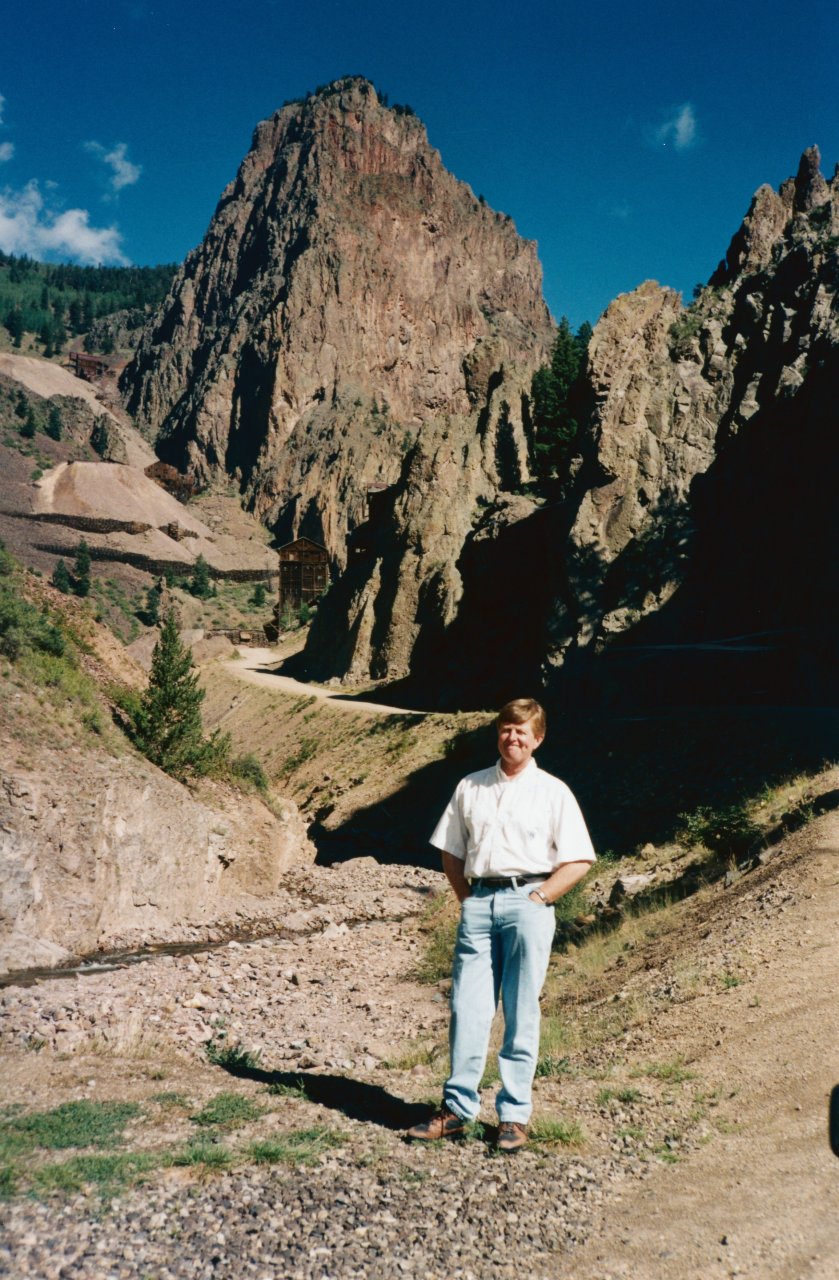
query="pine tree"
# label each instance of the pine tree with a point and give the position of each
(153, 596)
(29, 426)
(55, 426)
(200, 584)
(258, 597)
(61, 578)
(81, 570)
(14, 323)
(167, 725)
(554, 392)
(45, 337)
(100, 436)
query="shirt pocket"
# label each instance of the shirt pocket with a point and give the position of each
(528, 833)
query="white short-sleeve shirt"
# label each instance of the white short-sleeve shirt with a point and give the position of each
(525, 825)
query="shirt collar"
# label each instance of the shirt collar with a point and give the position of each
(529, 769)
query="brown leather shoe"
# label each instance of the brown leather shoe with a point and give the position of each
(511, 1137)
(443, 1124)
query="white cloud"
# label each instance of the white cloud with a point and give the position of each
(2, 105)
(123, 172)
(28, 226)
(679, 130)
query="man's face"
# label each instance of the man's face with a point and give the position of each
(516, 744)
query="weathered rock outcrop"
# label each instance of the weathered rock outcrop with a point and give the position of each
(349, 295)
(98, 852)
(738, 383)
(700, 504)
(402, 585)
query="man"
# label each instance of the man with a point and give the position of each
(513, 841)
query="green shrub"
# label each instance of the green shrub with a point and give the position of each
(233, 1057)
(730, 831)
(61, 578)
(248, 769)
(23, 627)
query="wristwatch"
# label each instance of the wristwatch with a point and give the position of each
(540, 894)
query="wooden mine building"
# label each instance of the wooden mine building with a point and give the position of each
(304, 572)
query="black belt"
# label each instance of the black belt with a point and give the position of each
(507, 882)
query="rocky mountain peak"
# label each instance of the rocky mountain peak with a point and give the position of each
(771, 215)
(349, 290)
(811, 190)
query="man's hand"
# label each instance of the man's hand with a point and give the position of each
(562, 881)
(453, 868)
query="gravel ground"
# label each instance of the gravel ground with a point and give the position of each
(441, 1214)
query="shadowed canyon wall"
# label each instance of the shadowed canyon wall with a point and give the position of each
(688, 548)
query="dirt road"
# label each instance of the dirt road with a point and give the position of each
(255, 666)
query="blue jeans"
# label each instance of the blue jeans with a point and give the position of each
(502, 949)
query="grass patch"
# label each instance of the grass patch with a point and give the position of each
(308, 748)
(665, 1154)
(227, 1111)
(671, 1072)
(418, 1053)
(210, 1156)
(296, 1090)
(170, 1098)
(438, 922)
(553, 1133)
(302, 1146)
(549, 1067)
(491, 1075)
(109, 1174)
(627, 1096)
(633, 1131)
(554, 1037)
(75, 1124)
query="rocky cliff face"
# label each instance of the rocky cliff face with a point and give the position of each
(348, 296)
(712, 434)
(701, 491)
(126, 856)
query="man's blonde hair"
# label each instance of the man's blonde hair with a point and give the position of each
(520, 710)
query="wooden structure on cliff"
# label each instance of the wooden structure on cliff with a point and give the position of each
(86, 366)
(304, 572)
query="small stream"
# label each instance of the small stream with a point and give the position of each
(109, 961)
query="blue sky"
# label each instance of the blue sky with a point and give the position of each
(626, 139)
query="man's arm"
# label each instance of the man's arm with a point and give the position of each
(453, 868)
(562, 880)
